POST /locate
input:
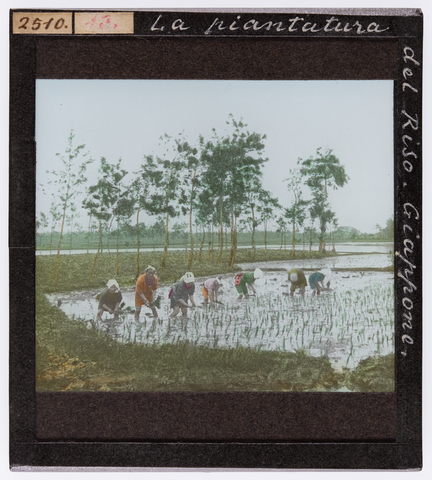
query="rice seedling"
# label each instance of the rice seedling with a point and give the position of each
(346, 325)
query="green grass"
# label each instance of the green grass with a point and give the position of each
(75, 269)
(373, 374)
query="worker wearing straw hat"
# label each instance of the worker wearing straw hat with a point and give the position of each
(145, 291)
(181, 293)
(243, 280)
(109, 300)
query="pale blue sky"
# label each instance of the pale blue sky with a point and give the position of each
(125, 118)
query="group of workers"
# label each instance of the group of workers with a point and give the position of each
(183, 291)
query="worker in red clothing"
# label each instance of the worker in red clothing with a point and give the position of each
(145, 291)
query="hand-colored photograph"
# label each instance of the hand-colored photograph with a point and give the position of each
(200, 235)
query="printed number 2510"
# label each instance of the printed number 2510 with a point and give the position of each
(33, 23)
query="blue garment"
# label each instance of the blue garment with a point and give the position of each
(315, 278)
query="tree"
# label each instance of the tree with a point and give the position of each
(282, 227)
(68, 178)
(122, 211)
(322, 171)
(139, 189)
(191, 182)
(55, 215)
(311, 230)
(387, 232)
(102, 198)
(70, 222)
(296, 214)
(91, 226)
(320, 209)
(334, 225)
(164, 178)
(265, 211)
(234, 163)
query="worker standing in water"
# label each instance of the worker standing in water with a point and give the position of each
(109, 300)
(298, 280)
(181, 293)
(245, 280)
(145, 292)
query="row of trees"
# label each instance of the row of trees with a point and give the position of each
(152, 236)
(216, 184)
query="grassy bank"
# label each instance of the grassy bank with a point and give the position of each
(75, 269)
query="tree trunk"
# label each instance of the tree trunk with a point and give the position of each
(70, 240)
(212, 243)
(191, 254)
(221, 241)
(166, 243)
(209, 243)
(59, 244)
(201, 246)
(253, 232)
(321, 239)
(51, 236)
(233, 243)
(118, 254)
(293, 240)
(88, 234)
(97, 252)
(100, 238)
(138, 244)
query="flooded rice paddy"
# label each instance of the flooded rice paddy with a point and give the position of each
(351, 321)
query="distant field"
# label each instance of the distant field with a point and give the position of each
(84, 241)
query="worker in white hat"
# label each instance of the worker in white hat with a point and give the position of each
(109, 300)
(145, 291)
(210, 290)
(247, 279)
(298, 280)
(181, 293)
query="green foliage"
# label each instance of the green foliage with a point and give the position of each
(323, 170)
(68, 178)
(386, 233)
(103, 197)
(320, 172)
